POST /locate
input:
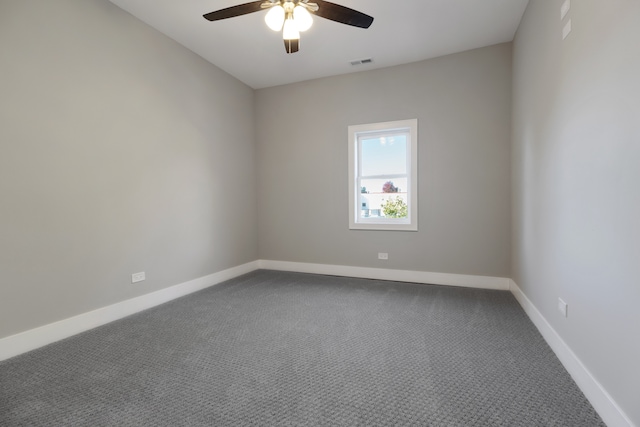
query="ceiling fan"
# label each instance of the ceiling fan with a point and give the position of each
(294, 16)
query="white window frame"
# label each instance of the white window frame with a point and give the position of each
(356, 132)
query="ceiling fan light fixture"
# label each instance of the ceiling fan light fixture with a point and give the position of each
(275, 18)
(302, 17)
(293, 16)
(290, 30)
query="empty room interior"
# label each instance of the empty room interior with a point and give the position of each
(178, 242)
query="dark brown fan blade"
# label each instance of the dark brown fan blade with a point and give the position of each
(342, 14)
(230, 12)
(292, 46)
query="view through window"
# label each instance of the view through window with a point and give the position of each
(383, 171)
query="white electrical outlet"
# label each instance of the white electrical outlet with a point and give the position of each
(562, 307)
(383, 255)
(138, 277)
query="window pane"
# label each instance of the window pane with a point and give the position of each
(375, 194)
(385, 155)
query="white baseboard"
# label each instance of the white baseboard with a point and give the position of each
(483, 282)
(29, 340)
(603, 403)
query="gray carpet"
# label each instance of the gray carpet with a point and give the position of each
(288, 349)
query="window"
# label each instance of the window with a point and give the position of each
(383, 176)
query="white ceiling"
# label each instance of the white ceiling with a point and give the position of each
(403, 31)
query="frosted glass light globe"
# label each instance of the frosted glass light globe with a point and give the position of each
(302, 17)
(290, 31)
(275, 18)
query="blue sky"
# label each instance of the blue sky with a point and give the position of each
(384, 156)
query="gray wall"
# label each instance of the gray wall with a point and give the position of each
(120, 151)
(576, 175)
(462, 103)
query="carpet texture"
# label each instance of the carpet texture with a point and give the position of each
(288, 349)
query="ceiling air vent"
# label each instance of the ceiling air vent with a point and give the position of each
(361, 61)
